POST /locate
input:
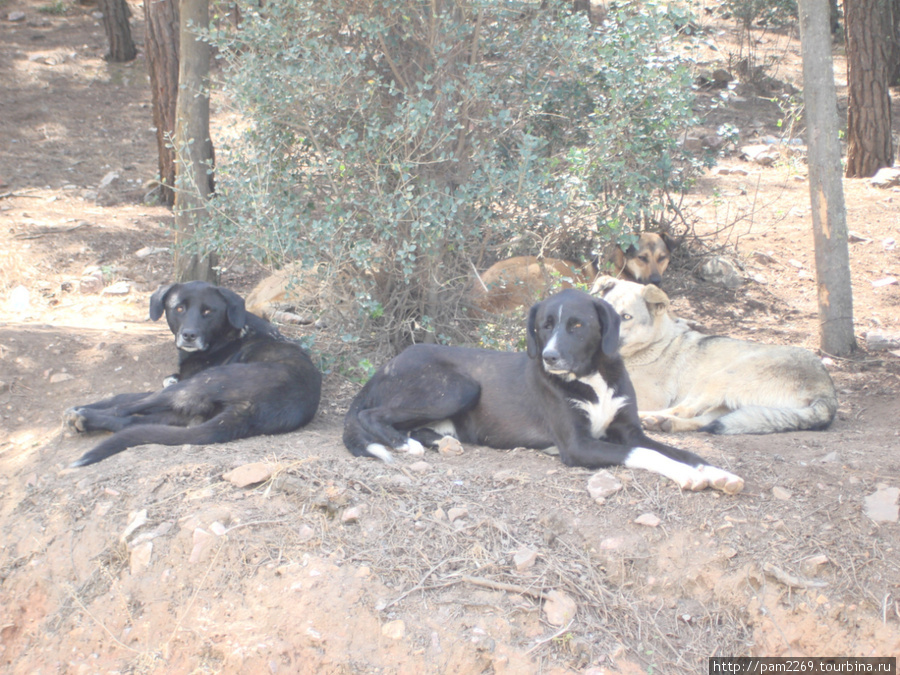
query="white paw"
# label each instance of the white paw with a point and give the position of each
(413, 447)
(693, 479)
(722, 480)
(381, 452)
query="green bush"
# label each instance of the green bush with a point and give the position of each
(397, 144)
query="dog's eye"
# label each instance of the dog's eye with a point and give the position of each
(206, 312)
(180, 309)
(645, 258)
(574, 324)
(627, 317)
(548, 324)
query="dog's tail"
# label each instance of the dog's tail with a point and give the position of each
(214, 430)
(761, 420)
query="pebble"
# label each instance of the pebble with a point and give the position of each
(394, 630)
(457, 512)
(450, 446)
(648, 519)
(559, 608)
(351, 515)
(140, 557)
(781, 493)
(524, 558)
(249, 474)
(881, 506)
(603, 484)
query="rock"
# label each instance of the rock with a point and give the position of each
(249, 474)
(886, 178)
(56, 378)
(721, 77)
(559, 608)
(781, 493)
(856, 238)
(351, 515)
(136, 519)
(140, 557)
(763, 155)
(648, 519)
(419, 467)
(305, 533)
(881, 506)
(19, 299)
(457, 512)
(524, 558)
(877, 341)
(92, 282)
(394, 630)
(118, 288)
(203, 542)
(603, 484)
(450, 446)
(720, 270)
(886, 281)
(812, 564)
(15, 16)
(147, 251)
(108, 180)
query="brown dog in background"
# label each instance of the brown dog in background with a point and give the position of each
(522, 280)
(646, 262)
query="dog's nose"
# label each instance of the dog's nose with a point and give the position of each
(188, 336)
(551, 357)
(655, 279)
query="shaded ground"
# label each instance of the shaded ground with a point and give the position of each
(343, 565)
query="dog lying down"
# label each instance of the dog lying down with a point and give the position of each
(569, 390)
(687, 381)
(237, 377)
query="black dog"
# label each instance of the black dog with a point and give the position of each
(237, 377)
(570, 390)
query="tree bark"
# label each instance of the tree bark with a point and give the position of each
(161, 46)
(869, 40)
(826, 189)
(193, 147)
(118, 31)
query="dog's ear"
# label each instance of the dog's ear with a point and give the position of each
(603, 285)
(237, 312)
(657, 301)
(671, 242)
(531, 341)
(158, 301)
(609, 326)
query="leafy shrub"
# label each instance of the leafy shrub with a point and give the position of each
(398, 144)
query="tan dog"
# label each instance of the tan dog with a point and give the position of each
(687, 381)
(647, 262)
(523, 280)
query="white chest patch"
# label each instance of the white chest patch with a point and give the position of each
(608, 404)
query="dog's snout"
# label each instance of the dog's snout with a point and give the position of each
(655, 279)
(189, 336)
(551, 356)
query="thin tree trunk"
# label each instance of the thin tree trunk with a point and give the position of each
(161, 46)
(118, 31)
(869, 40)
(193, 146)
(826, 189)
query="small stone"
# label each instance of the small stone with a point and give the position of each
(420, 467)
(559, 608)
(150, 250)
(648, 519)
(108, 179)
(886, 178)
(394, 630)
(781, 493)
(15, 16)
(56, 378)
(812, 564)
(218, 528)
(19, 299)
(881, 506)
(118, 288)
(449, 445)
(876, 340)
(140, 557)
(603, 484)
(457, 512)
(524, 558)
(351, 515)
(886, 281)
(249, 474)
(203, 542)
(305, 533)
(136, 519)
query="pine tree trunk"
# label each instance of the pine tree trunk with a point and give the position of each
(118, 31)
(161, 45)
(826, 188)
(193, 146)
(869, 40)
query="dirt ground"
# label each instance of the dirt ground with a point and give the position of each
(151, 562)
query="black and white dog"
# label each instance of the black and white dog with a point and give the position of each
(237, 377)
(570, 390)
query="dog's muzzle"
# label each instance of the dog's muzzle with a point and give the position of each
(555, 364)
(190, 342)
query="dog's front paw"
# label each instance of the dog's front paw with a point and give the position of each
(75, 420)
(695, 481)
(657, 423)
(720, 479)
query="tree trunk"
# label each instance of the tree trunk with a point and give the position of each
(161, 46)
(826, 189)
(869, 40)
(894, 59)
(193, 147)
(118, 31)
